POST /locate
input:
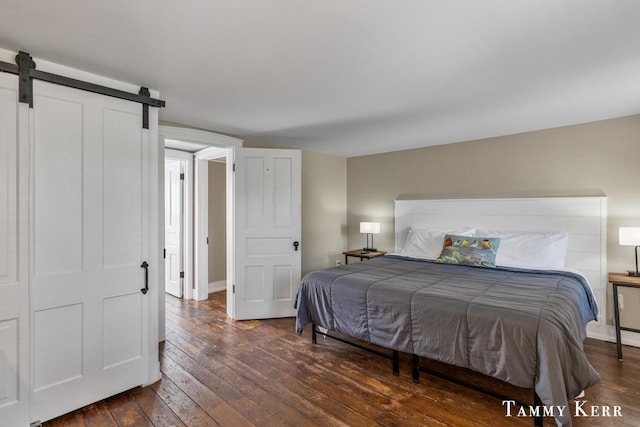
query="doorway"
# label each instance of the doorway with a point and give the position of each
(213, 221)
(189, 145)
(262, 235)
(174, 215)
(217, 225)
(177, 271)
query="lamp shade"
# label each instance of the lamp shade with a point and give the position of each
(629, 236)
(370, 227)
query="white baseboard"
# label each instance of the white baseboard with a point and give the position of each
(608, 333)
(218, 286)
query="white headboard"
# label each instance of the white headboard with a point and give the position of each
(583, 218)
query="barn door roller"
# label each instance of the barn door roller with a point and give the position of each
(26, 70)
(25, 88)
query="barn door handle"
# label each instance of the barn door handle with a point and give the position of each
(295, 245)
(145, 265)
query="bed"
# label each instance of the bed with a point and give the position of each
(521, 320)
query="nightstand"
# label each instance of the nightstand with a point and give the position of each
(624, 280)
(359, 253)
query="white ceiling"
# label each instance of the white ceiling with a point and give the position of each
(351, 77)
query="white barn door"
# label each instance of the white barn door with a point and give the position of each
(14, 291)
(90, 236)
(173, 206)
(267, 232)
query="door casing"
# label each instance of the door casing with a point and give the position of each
(189, 141)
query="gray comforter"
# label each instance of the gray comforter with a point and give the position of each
(524, 327)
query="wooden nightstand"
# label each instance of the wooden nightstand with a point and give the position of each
(359, 253)
(624, 280)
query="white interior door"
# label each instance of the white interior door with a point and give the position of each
(267, 232)
(173, 205)
(14, 291)
(90, 235)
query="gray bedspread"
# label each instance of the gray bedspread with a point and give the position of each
(524, 327)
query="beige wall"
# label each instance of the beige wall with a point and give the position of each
(599, 158)
(324, 207)
(217, 222)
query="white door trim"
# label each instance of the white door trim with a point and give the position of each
(200, 139)
(197, 139)
(156, 231)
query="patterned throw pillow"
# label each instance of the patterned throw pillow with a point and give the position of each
(465, 250)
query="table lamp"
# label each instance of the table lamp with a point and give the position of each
(630, 236)
(369, 228)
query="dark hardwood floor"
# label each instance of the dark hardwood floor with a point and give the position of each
(216, 371)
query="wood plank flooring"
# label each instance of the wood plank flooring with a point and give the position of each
(219, 372)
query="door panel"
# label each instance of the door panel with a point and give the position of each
(57, 357)
(122, 205)
(58, 164)
(267, 198)
(8, 181)
(122, 331)
(283, 211)
(283, 289)
(9, 349)
(89, 215)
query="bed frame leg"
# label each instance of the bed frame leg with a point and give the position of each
(314, 335)
(415, 368)
(396, 363)
(537, 420)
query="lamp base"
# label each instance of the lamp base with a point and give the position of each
(369, 250)
(633, 273)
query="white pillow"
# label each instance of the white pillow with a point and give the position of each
(427, 243)
(529, 250)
